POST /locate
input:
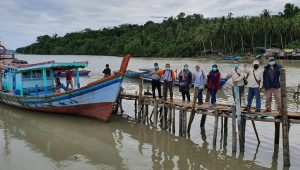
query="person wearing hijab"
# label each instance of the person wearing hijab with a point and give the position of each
(213, 80)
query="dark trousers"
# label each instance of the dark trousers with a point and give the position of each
(156, 85)
(251, 93)
(200, 96)
(241, 92)
(186, 94)
(168, 85)
(213, 95)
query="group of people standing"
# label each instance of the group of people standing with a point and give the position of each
(255, 79)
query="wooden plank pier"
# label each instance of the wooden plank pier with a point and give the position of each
(163, 114)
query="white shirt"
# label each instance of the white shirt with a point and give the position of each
(251, 80)
(199, 79)
(237, 77)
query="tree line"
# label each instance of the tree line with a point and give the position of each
(180, 36)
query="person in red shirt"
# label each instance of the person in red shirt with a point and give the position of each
(69, 79)
(213, 80)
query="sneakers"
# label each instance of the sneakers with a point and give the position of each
(199, 103)
(267, 110)
(257, 110)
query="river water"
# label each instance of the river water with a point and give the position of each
(33, 140)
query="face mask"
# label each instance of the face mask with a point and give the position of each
(255, 66)
(214, 69)
(272, 63)
(156, 67)
(167, 68)
(235, 65)
(185, 68)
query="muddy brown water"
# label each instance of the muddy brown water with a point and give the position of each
(34, 140)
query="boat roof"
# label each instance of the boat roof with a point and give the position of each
(47, 64)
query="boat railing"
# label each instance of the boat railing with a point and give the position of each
(37, 90)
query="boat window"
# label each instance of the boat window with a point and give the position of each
(48, 73)
(37, 74)
(26, 74)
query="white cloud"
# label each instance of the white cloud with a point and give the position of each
(23, 21)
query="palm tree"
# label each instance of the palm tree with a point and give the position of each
(201, 36)
(265, 17)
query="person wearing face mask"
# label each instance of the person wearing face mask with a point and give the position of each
(199, 82)
(271, 83)
(254, 86)
(156, 84)
(213, 80)
(168, 78)
(237, 76)
(185, 81)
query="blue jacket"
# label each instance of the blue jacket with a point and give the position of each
(266, 77)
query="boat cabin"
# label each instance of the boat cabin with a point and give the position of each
(36, 79)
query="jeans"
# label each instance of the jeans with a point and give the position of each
(251, 93)
(277, 94)
(241, 92)
(213, 95)
(156, 85)
(168, 85)
(200, 96)
(186, 94)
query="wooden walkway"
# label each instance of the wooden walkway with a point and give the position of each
(163, 114)
(226, 109)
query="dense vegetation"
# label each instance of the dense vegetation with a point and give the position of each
(180, 36)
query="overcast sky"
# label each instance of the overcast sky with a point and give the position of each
(24, 20)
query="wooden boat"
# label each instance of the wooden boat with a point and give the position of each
(32, 87)
(133, 74)
(230, 58)
(5, 55)
(136, 74)
(63, 73)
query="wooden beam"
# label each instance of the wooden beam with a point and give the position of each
(193, 110)
(216, 128)
(277, 133)
(203, 117)
(285, 121)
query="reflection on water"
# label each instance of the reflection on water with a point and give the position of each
(58, 141)
(33, 140)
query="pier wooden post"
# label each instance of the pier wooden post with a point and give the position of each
(193, 110)
(121, 105)
(184, 122)
(169, 117)
(155, 112)
(254, 127)
(164, 117)
(135, 106)
(239, 117)
(173, 118)
(141, 86)
(277, 133)
(285, 121)
(145, 112)
(203, 117)
(216, 128)
(180, 122)
(234, 126)
(225, 125)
